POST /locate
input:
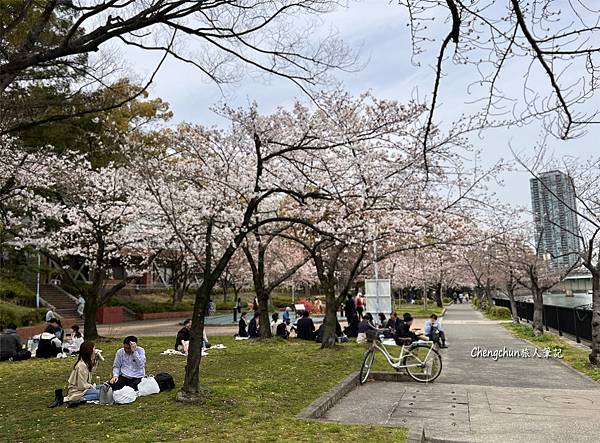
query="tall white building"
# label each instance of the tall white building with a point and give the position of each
(553, 201)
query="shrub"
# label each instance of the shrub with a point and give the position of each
(225, 306)
(475, 301)
(281, 300)
(21, 316)
(498, 313)
(152, 306)
(447, 300)
(16, 291)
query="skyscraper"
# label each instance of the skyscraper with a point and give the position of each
(553, 201)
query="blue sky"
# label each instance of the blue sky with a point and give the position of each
(379, 29)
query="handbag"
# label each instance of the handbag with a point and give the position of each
(106, 394)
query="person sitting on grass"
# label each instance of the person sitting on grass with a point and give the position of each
(184, 334)
(242, 332)
(76, 340)
(81, 388)
(11, 345)
(352, 329)
(282, 330)
(253, 330)
(305, 328)
(58, 329)
(365, 325)
(49, 346)
(403, 331)
(129, 365)
(274, 323)
(391, 323)
(435, 332)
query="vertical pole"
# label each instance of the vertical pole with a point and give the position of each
(37, 286)
(575, 325)
(376, 277)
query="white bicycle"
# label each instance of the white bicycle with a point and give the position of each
(420, 360)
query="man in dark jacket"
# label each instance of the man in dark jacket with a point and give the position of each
(305, 328)
(253, 326)
(242, 332)
(282, 330)
(183, 334)
(349, 308)
(10, 343)
(403, 328)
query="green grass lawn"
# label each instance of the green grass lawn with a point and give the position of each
(255, 391)
(418, 310)
(572, 355)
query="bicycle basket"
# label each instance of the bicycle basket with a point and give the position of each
(372, 335)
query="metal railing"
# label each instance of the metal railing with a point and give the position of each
(575, 321)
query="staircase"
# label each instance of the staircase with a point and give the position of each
(64, 304)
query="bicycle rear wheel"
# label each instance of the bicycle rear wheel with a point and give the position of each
(366, 366)
(422, 367)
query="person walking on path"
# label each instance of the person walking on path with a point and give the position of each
(80, 306)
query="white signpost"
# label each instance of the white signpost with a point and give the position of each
(378, 293)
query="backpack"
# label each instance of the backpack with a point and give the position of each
(165, 381)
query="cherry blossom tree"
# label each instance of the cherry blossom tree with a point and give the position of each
(272, 261)
(90, 215)
(551, 46)
(214, 187)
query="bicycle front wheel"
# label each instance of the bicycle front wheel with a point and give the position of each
(366, 366)
(423, 364)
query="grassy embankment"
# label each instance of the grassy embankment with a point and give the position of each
(574, 356)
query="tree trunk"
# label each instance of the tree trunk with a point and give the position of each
(225, 289)
(263, 308)
(438, 295)
(538, 311)
(90, 331)
(178, 292)
(594, 356)
(513, 305)
(330, 320)
(191, 391)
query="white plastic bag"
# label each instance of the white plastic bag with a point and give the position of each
(124, 395)
(148, 386)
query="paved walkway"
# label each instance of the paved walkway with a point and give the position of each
(482, 400)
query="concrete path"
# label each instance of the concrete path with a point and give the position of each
(482, 400)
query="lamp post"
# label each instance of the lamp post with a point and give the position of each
(37, 286)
